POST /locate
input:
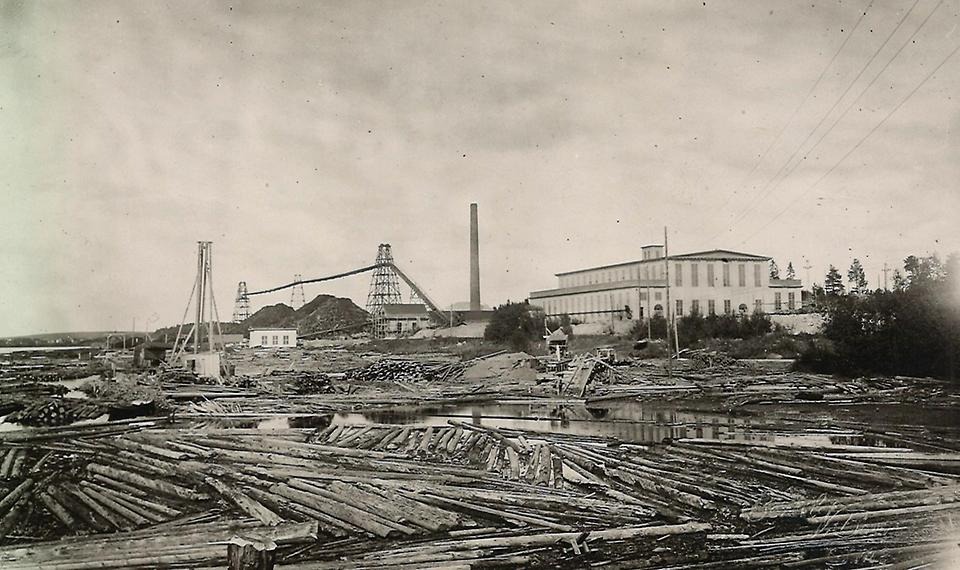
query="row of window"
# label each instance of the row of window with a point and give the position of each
(596, 302)
(682, 271)
(276, 338)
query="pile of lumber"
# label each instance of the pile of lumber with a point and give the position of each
(124, 494)
(55, 412)
(397, 370)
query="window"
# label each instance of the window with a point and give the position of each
(657, 295)
(695, 307)
(726, 274)
(756, 274)
(679, 269)
(646, 273)
(758, 305)
(286, 339)
(263, 340)
(710, 280)
(643, 296)
(726, 306)
(742, 274)
(275, 340)
(694, 275)
(679, 307)
(711, 306)
(777, 301)
(791, 300)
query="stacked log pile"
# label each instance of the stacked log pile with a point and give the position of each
(55, 412)
(396, 370)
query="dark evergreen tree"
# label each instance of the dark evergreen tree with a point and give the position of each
(774, 270)
(791, 274)
(833, 283)
(857, 278)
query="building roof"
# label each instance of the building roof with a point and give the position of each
(272, 329)
(720, 255)
(709, 255)
(405, 309)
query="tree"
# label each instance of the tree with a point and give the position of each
(857, 278)
(791, 274)
(515, 323)
(833, 283)
(923, 271)
(774, 270)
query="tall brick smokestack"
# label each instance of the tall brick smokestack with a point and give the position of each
(474, 260)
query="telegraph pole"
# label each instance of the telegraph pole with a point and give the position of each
(666, 264)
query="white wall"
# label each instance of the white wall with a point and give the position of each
(274, 338)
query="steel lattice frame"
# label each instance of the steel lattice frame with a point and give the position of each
(241, 307)
(384, 289)
(297, 298)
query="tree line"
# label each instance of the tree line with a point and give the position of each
(912, 329)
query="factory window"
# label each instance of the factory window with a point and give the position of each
(756, 275)
(726, 306)
(726, 274)
(742, 274)
(711, 306)
(791, 300)
(658, 310)
(679, 307)
(777, 301)
(643, 296)
(695, 307)
(710, 282)
(263, 340)
(657, 295)
(286, 339)
(758, 305)
(694, 274)
(276, 340)
(679, 269)
(646, 273)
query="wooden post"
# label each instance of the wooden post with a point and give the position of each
(666, 264)
(251, 554)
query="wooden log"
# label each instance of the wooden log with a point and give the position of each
(13, 496)
(356, 512)
(108, 515)
(244, 503)
(162, 487)
(57, 510)
(884, 513)
(248, 554)
(111, 503)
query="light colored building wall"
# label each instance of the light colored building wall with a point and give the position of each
(732, 284)
(271, 338)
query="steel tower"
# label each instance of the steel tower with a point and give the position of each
(241, 307)
(297, 298)
(384, 289)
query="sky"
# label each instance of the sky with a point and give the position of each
(297, 136)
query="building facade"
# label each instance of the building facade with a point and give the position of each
(707, 282)
(273, 338)
(405, 318)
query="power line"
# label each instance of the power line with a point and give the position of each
(856, 146)
(864, 90)
(766, 191)
(806, 97)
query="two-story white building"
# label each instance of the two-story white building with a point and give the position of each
(707, 282)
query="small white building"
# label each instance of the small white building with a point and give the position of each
(273, 338)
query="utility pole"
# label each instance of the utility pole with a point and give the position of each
(666, 264)
(886, 269)
(807, 267)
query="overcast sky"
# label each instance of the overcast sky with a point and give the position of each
(299, 135)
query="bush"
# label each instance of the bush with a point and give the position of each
(516, 324)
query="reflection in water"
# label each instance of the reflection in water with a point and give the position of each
(630, 421)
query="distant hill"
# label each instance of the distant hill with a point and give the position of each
(324, 312)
